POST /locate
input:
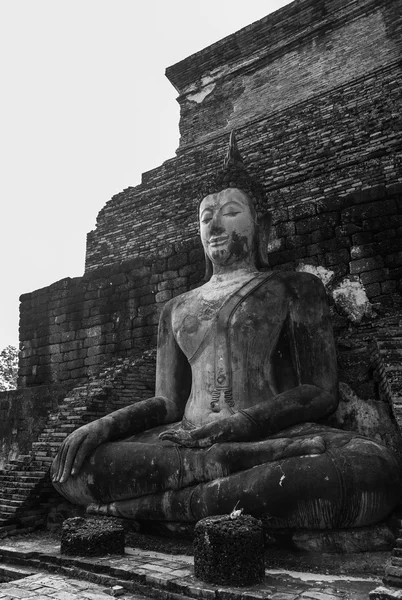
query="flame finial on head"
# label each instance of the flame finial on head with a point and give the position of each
(233, 158)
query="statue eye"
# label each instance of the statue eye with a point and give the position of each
(231, 213)
(206, 219)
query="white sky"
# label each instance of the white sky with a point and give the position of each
(85, 108)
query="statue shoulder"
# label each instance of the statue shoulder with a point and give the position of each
(178, 301)
(301, 284)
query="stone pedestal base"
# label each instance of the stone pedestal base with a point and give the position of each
(229, 551)
(95, 536)
(385, 593)
(375, 538)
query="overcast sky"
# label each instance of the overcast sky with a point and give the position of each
(85, 109)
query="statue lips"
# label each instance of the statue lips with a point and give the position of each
(218, 240)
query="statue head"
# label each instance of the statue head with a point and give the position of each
(231, 228)
(227, 227)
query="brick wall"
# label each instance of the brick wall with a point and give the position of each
(72, 328)
(327, 149)
(23, 414)
(309, 47)
(318, 150)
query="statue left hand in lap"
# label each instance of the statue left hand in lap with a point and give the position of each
(246, 370)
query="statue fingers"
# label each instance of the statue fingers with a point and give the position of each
(312, 445)
(73, 445)
(87, 446)
(60, 460)
(192, 443)
(170, 435)
(56, 466)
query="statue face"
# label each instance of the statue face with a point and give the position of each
(227, 226)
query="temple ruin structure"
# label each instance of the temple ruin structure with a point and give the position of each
(313, 92)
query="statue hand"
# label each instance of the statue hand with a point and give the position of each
(186, 438)
(75, 448)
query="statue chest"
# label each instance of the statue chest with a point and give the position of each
(253, 325)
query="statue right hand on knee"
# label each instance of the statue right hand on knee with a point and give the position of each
(75, 448)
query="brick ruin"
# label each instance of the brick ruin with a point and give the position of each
(313, 91)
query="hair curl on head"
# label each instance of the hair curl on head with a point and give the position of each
(234, 175)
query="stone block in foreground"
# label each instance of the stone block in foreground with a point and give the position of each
(95, 536)
(229, 551)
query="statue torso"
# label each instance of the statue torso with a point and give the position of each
(249, 345)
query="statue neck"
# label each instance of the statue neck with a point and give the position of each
(233, 271)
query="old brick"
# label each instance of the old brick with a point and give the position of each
(301, 211)
(196, 255)
(68, 346)
(363, 251)
(279, 215)
(285, 229)
(187, 270)
(118, 279)
(394, 260)
(148, 299)
(374, 276)
(372, 290)
(276, 258)
(163, 296)
(159, 266)
(325, 220)
(295, 241)
(385, 235)
(388, 287)
(366, 264)
(170, 275)
(335, 258)
(334, 203)
(368, 211)
(319, 235)
(362, 238)
(175, 262)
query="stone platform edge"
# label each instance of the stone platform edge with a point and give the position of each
(150, 573)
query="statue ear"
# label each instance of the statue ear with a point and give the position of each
(264, 227)
(208, 268)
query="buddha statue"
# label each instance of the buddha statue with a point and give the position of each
(246, 373)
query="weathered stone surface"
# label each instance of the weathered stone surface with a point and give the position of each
(363, 539)
(229, 551)
(93, 536)
(385, 593)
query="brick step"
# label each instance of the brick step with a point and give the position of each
(389, 341)
(65, 427)
(42, 445)
(6, 510)
(21, 485)
(25, 530)
(8, 494)
(5, 529)
(22, 478)
(14, 572)
(4, 501)
(20, 461)
(24, 474)
(67, 417)
(35, 468)
(56, 435)
(45, 460)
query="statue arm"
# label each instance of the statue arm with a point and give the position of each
(311, 345)
(172, 388)
(173, 384)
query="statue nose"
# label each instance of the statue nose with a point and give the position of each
(216, 226)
